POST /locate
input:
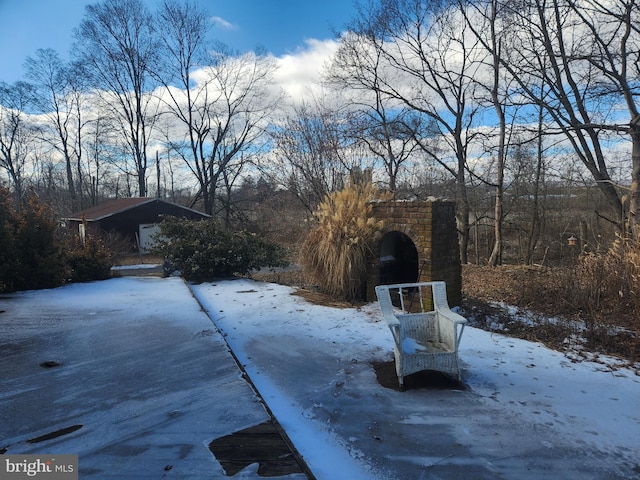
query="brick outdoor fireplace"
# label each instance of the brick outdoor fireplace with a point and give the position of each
(419, 243)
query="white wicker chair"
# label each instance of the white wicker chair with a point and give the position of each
(428, 339)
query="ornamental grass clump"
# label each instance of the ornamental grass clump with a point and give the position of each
(334, 255)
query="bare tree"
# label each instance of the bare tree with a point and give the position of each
(97, 165)
(613, 50)
(498, 103)
(487, 23)
(311, 150)
(430, 61)
(537, 209)
(236, 117)
(387, 127)
(16, 132)
(59, 99)
(226, 116)
(583, 54)
(116, 41)
(220, 103)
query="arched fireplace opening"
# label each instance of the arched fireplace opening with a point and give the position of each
(398, 259)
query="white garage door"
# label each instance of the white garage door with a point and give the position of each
(147, 232)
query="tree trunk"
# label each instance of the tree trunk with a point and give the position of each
(495, 258)
(634, 194)
(534, 231)
(462, 216)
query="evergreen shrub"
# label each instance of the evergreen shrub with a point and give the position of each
(89, 261)
(202, 251)
(32, 256)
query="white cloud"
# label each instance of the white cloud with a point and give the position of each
(299, 73)
(220, 22)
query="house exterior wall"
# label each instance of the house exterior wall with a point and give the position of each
(127, 222)
(432, 228)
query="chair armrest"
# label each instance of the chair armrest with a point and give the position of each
(452, 316)
(454, 319)
(395, 331)
(393, 323)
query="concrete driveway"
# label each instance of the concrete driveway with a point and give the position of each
(138, 383)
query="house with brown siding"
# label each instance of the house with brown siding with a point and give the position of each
(135, 219)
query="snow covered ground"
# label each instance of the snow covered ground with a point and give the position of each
(526, 412)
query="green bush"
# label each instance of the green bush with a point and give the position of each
(89, 261)
(201, 251)
(31, 256)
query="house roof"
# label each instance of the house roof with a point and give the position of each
(117, 206)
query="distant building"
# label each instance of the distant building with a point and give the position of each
(134, 219)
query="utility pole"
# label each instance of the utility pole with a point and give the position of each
(157, 174)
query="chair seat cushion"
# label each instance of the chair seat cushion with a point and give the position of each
(411, 346)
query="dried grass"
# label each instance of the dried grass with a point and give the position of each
(334, 255)
(601, 292)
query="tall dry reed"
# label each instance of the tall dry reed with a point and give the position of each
(334, 255)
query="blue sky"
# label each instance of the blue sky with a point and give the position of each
(280, 26)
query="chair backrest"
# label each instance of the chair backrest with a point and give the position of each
(384, 300)
(440, 301)
(438, 296)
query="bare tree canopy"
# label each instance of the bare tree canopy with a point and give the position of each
(16, 133)
(577, 60)
(307, 149)
(427, 65)
(491, 103)
(59, 97)
(116, 41)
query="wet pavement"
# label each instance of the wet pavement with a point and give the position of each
(135, 395)
(133, 376)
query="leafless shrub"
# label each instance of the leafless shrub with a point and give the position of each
(605, 286)
(592, 306)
